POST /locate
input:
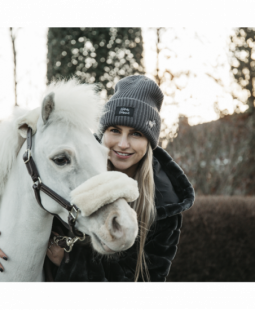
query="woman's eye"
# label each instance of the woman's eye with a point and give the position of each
(137, 134)
(114, 130)
(61, 161)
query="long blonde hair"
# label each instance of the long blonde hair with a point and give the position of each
(144, 207)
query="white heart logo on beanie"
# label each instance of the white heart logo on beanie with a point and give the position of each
(151, 123)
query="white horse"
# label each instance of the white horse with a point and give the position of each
(66, 154)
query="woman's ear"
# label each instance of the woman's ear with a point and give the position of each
(28, 120)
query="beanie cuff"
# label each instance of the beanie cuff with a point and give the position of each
(133, 113)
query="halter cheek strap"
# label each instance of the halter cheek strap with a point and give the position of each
(40, 186)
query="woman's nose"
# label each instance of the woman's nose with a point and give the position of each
(123, 143)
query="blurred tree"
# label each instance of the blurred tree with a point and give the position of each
(101, 55)
(213, 155)
(157, 77)
(243, 68)
(170, 78)
(13, 40)
(165, 73)
(243, 62)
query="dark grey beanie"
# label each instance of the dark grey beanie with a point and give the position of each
(136, 103)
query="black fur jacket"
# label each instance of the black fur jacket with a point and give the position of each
(174, 194)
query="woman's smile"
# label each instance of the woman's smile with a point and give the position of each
(122, 155)
(127, 147)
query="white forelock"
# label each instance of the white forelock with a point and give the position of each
(76, 103)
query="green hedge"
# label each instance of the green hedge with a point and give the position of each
(217, 241)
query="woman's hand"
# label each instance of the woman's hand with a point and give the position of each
(4, 256)
(54, 252)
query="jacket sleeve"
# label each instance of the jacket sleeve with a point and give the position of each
(181, 185)
(160, 250)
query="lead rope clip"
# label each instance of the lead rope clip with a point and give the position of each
(69, 241)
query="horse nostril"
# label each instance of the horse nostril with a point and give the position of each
(116, 227)
(115, 224)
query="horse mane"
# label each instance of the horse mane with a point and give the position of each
(11, 142)
(75, 103)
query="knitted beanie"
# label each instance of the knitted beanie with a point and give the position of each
(136, 103)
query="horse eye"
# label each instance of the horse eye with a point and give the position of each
(61, 161)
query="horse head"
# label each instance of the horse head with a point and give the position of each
(67, 154)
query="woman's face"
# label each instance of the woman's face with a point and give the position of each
(127, 147)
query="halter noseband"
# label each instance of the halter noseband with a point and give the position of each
(39, 185)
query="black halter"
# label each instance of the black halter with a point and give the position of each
(39, 185)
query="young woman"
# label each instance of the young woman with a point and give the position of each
(130, 128)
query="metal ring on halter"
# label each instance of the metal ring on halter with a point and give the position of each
(38, 180)
(28, 155)
(71, 242)
(75, 210)
(82, 238)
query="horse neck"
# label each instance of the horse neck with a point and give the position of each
(25, 227)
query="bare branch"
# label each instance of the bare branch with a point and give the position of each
(218, 81)
(13, 38)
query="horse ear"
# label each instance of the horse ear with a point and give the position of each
(28, 120)
(47, 107)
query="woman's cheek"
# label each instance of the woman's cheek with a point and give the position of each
(106, 141)
(141, 145)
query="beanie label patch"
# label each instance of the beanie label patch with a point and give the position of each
(124, 111)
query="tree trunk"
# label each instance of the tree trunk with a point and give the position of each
(13, 38)
(158, 80)
(250, 85)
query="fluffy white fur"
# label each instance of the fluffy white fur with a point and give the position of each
(76, 103)
(111, 185)
(11, 140)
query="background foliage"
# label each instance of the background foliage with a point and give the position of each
(243, 68)
(219, 156)
(242, 48)
(101, 55)
(215, 155)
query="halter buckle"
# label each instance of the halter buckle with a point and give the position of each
(28, 155)
(76, 210)
(36, 183)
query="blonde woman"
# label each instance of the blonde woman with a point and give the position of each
(130, 128)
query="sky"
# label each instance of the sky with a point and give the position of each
(31, 68)
(198, 50)
(201, 51)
